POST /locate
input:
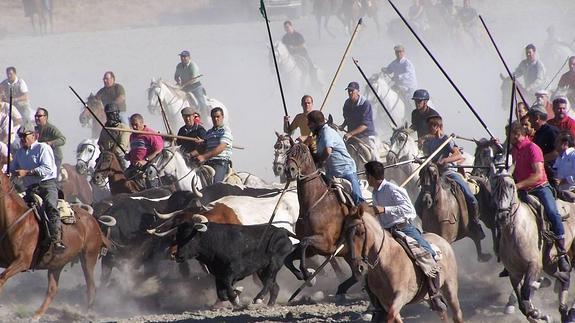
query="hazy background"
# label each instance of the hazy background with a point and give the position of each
(141, 39)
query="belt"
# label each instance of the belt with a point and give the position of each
(220, 162)
(400, 226)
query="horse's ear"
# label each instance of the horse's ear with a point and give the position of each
(277, 134)
(291, 142)
(330, 119)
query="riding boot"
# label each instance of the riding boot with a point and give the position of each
(562, 261)
(55, 228)
(475, 228)
(435, 297)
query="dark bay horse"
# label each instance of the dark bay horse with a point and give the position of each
(20, 235)
(443, 212)
(86, 118)
(393, 280)
(321, 214)
(109, 171)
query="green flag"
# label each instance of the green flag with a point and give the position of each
(263, 9)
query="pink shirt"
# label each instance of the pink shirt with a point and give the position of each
(565, 124)
(525, 154)
(142, 145)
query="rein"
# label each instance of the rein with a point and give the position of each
(18, 220)
(364, 251)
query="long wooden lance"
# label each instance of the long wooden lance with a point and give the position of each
(98, 120)
(501, 58)
(9, 144)
(161, 135)
(355, 61)
(442, 70)
(265, 14)
(164, 117)
(508, 134)
(341, 63)
(425, 162)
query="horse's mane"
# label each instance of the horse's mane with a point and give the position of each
(405, 128)
(499, 182)
(301, 152)
(372, 225)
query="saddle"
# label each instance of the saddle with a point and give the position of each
(67, 215)
(207, 172)
(418, 255)
(542, 222)
(449, 184)
(343, 189)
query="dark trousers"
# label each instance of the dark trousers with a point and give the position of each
(545, 196)
(221, 166)
(199, 93)
(48, 191)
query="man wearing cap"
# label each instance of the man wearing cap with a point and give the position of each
(421, 113)
(188, 77)
(542, 97)
(403, 74)
(567, 81)
(50, 134)
(192, 129)
(545, 136)
(35, 164)
(19, 93)
(562, 120)
(358, 118)
(143, 146)
(532, 70)
(113, 92)
(119, 143)
(218, 146)
(331, 150)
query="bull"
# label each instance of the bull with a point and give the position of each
(232, 252)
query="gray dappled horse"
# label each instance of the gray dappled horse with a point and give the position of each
(403, 146)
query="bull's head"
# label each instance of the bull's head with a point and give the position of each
(188, 238)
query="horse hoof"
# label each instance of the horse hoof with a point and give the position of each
(238, 290)
(312, 282)
(258, 301)
(366, 317)
(340, 299)
(509, 309)
(484, 257)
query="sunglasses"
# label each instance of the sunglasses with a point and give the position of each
(23, 135)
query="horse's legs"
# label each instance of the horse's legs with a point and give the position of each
(18, 265)
(53, 278)
(527, 291)
(481, 257)
(449, 289)
(88, 260)
(107, 266)
(288, 262)
(393, 313)
(564, 280)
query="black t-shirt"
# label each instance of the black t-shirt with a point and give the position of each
(419, 121)
(293, 41)
(193, 131)
(545, 138)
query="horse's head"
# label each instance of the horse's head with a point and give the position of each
(299, 162)
(503, 190)
(485, 155)
(86, 155)
(430, 181)
(95, 105)
(106, 165)
(281, 147)
(154, 92)
(403, 145)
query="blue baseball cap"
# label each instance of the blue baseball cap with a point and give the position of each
(352, 86)
(185, 53)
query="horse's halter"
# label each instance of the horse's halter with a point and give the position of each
(506, 213)
(364, 249)
(300, 176)
(103, 168)
(280, 154)
(82, 166)
(397, 133)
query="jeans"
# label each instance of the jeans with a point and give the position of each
(199, 93)
(546, 198)
(221, 167)
(48, 191)
(412, 231)
(469, 197)
(355, 187)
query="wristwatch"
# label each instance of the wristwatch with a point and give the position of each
(147, 159)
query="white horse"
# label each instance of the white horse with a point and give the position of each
(87, 153)
(174, 100)
(403, 146)
(391, 99)
(295, 70)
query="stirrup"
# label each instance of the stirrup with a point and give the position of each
(59, 246)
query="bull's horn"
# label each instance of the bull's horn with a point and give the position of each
(198, 218)
(165, 216)
(163, 234)
(107, 220)
(200, 227)
(151, 231)
(195, 187)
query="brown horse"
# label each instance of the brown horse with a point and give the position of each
(321, 214)
(86, 118)
(74, 186)
(109, 170)
(444, 212)
(20, 235)
(393, 280)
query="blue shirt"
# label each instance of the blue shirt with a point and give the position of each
(565, 169)
(357, 115)
(217, 135)
(397, 205)
(339, 163)
(39, 159)
(433, 143)
(403, 73)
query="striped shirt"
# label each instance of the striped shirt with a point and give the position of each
(217, 135)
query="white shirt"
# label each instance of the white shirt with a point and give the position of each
(398, 206)
(19, 87)
(4, 110)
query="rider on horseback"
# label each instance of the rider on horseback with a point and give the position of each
(108, 143)
(405, 81)
(394, 210)
(113, 92)
(448, 155)
(331, 150)
(193, 129)
(35, 164)
(421, 113)
(530, 178)
(143, 147)
(300, 120)
(532, 70)
(567, 81)
(187, 76)
(358, 117)
(295, 44)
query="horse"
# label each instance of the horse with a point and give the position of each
(173, 99)
(321, 214)
(295, 69)
(322, 11)
(281, 147)
(86, 118)
(393, 280)
(87, 153)
(43, 10)
(75, 186)
(403, 146)
(395, 104)
(521, 245)
(21, 250)
(444, 212)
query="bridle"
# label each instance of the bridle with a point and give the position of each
(393, 139)
(505, 214)
(365, 249)
(81, 149)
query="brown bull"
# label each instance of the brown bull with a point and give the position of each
(20, 243)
